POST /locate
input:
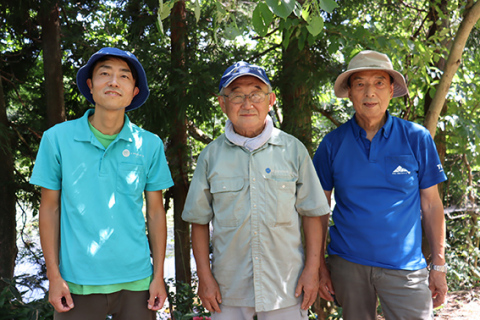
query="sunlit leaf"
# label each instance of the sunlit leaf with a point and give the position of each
(197, 10)
(315, 25)
(328, 5)
(282, 8)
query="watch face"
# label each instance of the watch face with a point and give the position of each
(440, 268)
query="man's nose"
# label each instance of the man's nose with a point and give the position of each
(369, 90)
(113, 81)
(247, 104)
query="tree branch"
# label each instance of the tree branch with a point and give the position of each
(197, 134)
(451, 67)
(327, 115)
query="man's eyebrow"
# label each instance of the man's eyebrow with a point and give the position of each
(106, 66)
(361, 78)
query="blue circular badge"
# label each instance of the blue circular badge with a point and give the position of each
(268, 170)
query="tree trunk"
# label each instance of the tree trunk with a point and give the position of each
(452, 64)
(8, 251)
(177, 150)
(52, 57)
(436, 27)
(296, 93)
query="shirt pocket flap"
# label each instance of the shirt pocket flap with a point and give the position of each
(226, 185)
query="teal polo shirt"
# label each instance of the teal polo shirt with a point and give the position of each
(103, 239)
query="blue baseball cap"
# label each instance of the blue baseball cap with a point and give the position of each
(85, 73)
(241, 69)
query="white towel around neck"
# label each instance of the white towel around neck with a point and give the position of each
(246, 142)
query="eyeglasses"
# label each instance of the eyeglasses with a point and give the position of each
(254, 97)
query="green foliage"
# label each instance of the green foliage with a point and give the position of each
(184, 301)
(12, 305)
(415, 34)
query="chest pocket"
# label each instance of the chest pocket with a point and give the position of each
(281, 196)
(228, 201)
(131, 178)
(402, 171)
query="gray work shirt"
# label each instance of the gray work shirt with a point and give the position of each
(255, 201)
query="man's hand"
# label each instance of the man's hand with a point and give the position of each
(308, 283)
(158, 294)
(437, 282)
(325, 289)
(209, 293)
(59, 295)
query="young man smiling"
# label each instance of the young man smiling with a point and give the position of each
(94, 172)
(257, 186)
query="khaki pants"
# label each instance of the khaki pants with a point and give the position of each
(403, 294)
(247, 313)
(122, 305)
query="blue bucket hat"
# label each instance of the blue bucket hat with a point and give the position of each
(241, 69)
(85, 72)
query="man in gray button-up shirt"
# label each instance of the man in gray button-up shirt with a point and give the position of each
(258, 187)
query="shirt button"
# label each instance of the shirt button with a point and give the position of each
(253, 179)
(283, 186)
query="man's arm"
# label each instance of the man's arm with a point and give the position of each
(308, 281)
(208, 289)
(157, 237)
(325, 284)
(434, 226)
(49, 223)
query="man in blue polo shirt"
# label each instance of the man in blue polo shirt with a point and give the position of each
(94, 172)
(385, 173)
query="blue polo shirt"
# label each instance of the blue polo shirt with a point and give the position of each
(103, 239)
(377, 216)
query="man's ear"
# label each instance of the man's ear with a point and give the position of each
(136, 91)
(273, 98)
(221, 101)
(90, 84)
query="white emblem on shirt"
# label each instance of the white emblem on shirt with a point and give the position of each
(440, 168)
(126, 153)
(400, 170)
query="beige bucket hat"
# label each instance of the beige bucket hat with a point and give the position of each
(370, 60)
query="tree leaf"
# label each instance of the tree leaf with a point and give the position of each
(197, 10)
(328, 5)
(282, 8)
(261, 19)
(315, 25)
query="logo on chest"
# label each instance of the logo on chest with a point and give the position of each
(400, 170)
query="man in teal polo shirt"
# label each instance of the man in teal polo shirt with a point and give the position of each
(257, 186)
(94, 172)
(384, 172)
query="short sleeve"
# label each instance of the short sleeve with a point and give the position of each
(159, 176)
(311, 199)
(47, 171)
(198, 205)
(430, 167)
(323, 165)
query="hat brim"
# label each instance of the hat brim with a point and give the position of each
(399, 84)
(226, 84)
(84, 73)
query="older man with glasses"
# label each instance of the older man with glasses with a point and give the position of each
(257, 186)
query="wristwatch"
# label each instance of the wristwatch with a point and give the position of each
(443, 268)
